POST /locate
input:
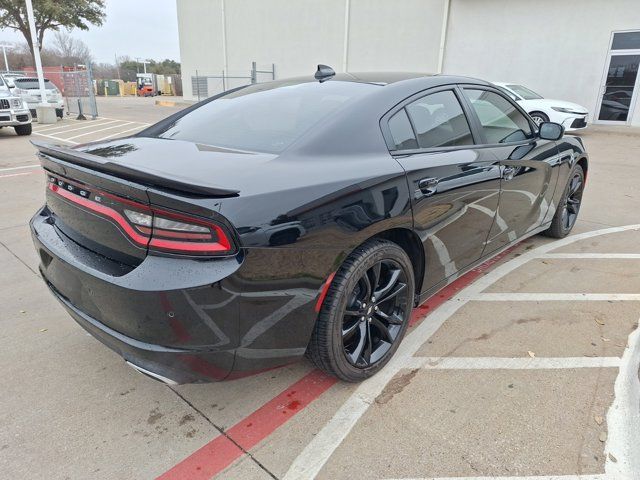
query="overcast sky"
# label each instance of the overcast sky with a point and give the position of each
(144, 29)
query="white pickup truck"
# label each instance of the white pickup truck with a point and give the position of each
(14, 112)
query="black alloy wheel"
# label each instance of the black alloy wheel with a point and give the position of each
(567, 212)
(573, 201)
(365, 313)
(375, 313)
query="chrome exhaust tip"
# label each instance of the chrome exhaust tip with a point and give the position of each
(153, 375)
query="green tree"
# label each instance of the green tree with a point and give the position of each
(51, 15)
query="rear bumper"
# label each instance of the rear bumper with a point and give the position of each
(179, 320)
(170, 365)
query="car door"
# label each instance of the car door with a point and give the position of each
(454, 186)
(528, 179)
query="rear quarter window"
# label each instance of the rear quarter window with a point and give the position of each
(401, 132)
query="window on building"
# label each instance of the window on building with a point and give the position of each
(439, 121)
(501, 121)
(626, 41)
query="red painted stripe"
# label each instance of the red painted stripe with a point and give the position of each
(221, 452)
(323, 291)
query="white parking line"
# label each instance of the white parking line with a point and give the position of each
(541, 477)
(16, 174)
(556, 297)
(318, 451)
(119, 133)
(8, 169)
(518, 363)
(56, 138)
(101, 130)
(592, 255)
(65, 125)
(66, 130)
(623, 417)
(109, 118)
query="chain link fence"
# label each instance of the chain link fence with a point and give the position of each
(205, 85)
(75, 84)
(79, 93)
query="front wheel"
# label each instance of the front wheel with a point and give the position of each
(366, 312)
(23, 129)
(567, 213)
(539, 117)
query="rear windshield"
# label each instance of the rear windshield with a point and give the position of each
(265, 117)
(32, 83)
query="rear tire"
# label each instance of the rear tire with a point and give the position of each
(23, 129)
(356, 334)
(567, 212)
(539, 117)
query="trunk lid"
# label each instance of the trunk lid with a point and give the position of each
(97, 193)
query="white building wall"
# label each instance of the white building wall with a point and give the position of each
(297, 35)
(557, 48)
(294, 35)
(200, 37)
(396, 35)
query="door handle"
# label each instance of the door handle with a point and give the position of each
(428, 186)
(508, 173)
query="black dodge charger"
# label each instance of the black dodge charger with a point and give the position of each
(302, 216)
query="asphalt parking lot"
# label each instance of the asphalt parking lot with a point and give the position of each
(525, 367)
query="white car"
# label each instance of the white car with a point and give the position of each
(14, 113)
(570, 115)
(29, 89)
(9, 78)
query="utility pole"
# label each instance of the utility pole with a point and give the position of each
(4, 52)
(36, 52)
(144, 63)
(115, 55)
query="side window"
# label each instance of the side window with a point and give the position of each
(401, 131)
(501, 121)
(439, 121)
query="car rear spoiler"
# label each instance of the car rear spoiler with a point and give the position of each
(103, 165)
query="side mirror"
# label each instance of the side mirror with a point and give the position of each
(550, 131)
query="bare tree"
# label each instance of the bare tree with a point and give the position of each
(70, 50)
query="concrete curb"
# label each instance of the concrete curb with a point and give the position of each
(174, 103)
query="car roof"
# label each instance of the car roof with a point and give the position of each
(504, 84)
(386, 78)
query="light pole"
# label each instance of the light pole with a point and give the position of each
(4, 52)
(36, 52)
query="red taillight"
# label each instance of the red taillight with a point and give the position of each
(150, 227)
